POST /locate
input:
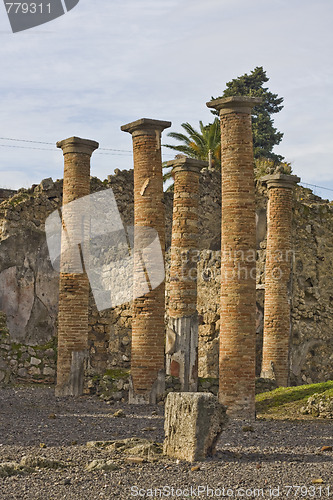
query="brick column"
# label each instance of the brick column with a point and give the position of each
(238, 257)
(182, 331)
(74, 285)
(277, 321)
(148, 330)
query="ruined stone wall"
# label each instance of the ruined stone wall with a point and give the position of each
(311, 352)
(6, 193)
(19, 362)
(312, 287)
(29, 285)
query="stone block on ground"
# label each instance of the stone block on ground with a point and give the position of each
(193, 424)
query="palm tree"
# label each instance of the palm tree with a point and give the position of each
(202, 145)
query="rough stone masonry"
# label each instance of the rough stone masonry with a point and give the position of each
(73, 282)
(148, 330)
(277, 318)
(182, 330)
(238, 257)
(29, 285)
(193, 423)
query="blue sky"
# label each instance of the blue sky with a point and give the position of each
(104, 64)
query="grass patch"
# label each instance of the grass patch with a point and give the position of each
(116, 373)
(285, 402)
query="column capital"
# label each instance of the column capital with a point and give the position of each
(186, 164)
(280, 180)
(234, 104)
(77, 145)
(145, 126)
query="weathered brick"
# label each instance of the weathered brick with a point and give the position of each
(277, 320)
(73, 286)
(238, 286)
(148, 330)
(182, 332)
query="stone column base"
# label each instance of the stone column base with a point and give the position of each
(182, 351)
(150, 397)
(193, 424)
(75, 383)
(270, 373)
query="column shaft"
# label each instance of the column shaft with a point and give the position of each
(73, 284)
(182, 332)
(238, 258)
(148, 330)
(277, 321)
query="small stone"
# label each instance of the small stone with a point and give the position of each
(67, 480)
(42, 445)
(48, 371)
(22, 372)
(119, 413)
(120, 384)
(34, 370)
(49, 353)
(52, 416)
(247, 428)
(102, 464)
(35, 361)
(195, 468)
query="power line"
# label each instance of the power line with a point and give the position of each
(52, 144)
(25, 140)
(314, 185)
(25, 147)
(49, 143)
(118, 151)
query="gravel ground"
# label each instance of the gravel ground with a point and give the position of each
(257, 463)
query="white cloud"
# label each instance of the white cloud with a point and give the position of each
(107, 63)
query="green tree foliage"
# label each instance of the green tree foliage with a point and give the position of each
(265, 135)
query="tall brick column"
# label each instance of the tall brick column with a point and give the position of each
(148, 330)
(74, 285)
(277, 321)
(238, 257)
(182, 331)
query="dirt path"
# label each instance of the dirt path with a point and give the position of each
(53, 433)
